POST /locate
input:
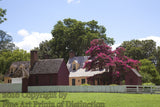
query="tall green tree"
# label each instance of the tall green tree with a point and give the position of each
(6, 41)
(8, 56)
(2, 14)
(45, 49)
(73, 35)
(158, 59)
(149, 72)
(136, 49)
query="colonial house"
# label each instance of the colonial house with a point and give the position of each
(17, 71)
(46, 72)
(79, 75)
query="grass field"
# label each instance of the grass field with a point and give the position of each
(78, 100)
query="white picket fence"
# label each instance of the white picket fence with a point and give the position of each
(107, 89)
(97, 88)
(9, 87)
(142, 89)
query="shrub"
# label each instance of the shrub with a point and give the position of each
(113, 84)
(85, 85)
(123, 82)
(1, 77)
(148, 84)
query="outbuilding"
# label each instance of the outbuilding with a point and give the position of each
(46, 72)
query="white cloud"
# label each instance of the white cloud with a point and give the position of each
(23, 32)
(69, 1)
(155, 38)
(31, 40)
(78, 1)
(73, 1)
(115, 46)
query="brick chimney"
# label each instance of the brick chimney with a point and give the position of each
(46, 56)
(71, 54)
(34, 58)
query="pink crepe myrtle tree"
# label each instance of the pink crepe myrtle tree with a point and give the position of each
(102, 57)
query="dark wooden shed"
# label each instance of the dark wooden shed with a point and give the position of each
(49, 72)
(133, 77)
(46, 72)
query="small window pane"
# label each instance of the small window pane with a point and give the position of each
(83, 81)
(73, 81)
(74, 66)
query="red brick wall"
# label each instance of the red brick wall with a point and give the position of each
(132, 79)
(104, 79)
(34, 58)
(63, 75)
(43, 79)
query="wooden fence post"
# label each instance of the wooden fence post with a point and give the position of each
(137, 89)
(151, 89)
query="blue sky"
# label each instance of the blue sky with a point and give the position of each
(31, 21)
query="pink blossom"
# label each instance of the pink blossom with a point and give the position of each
(103, 56)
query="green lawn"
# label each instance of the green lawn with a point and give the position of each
(78, 100)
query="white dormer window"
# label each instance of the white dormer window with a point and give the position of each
(75, 65)
(12, 69)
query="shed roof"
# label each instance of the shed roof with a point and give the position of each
(136, 72)
(47, 66)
